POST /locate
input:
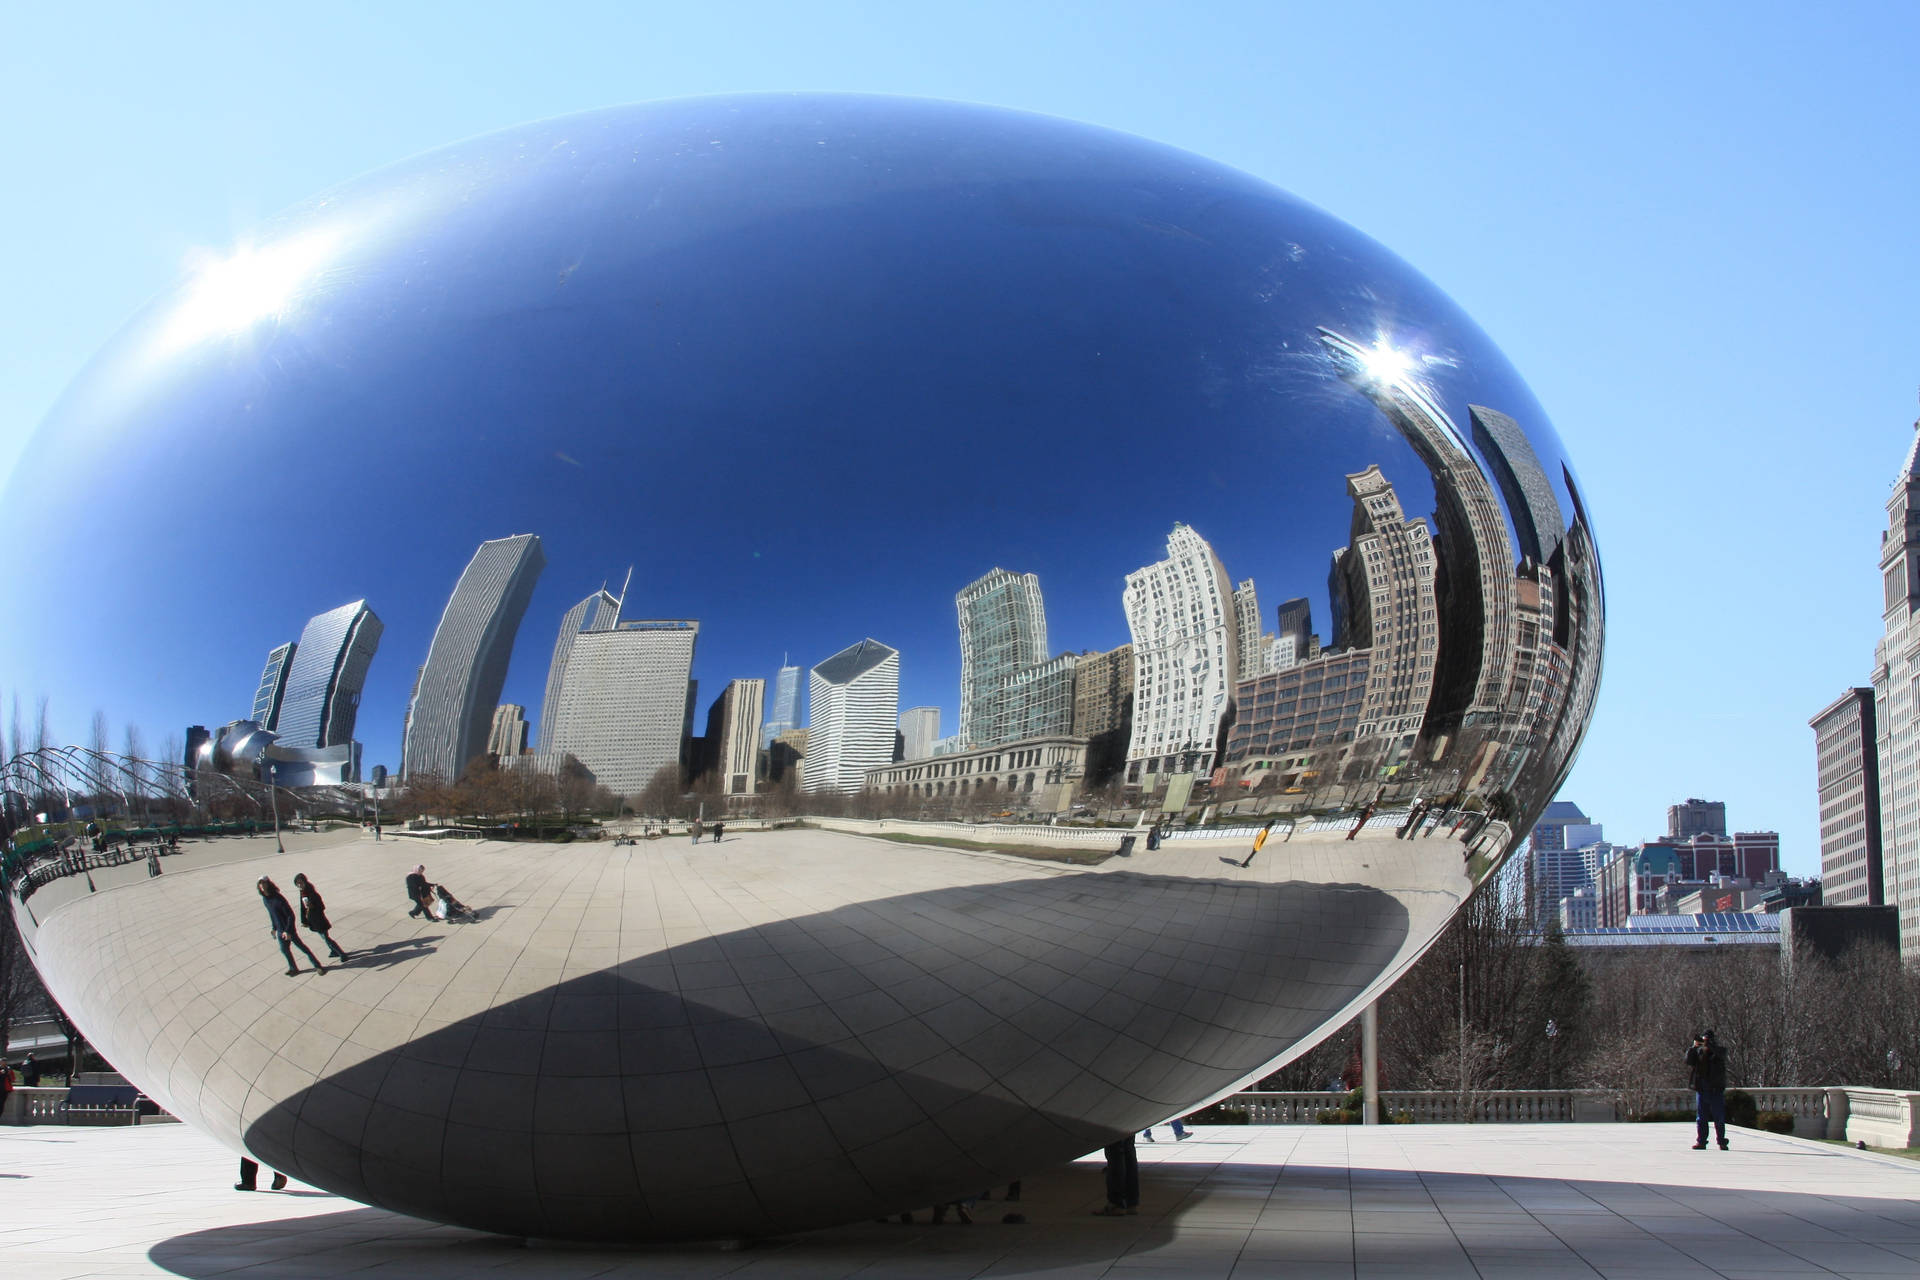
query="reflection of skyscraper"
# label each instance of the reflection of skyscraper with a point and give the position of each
(786, 705)
(1295, 641)
(1382, 588)
(326, 675)
(1538, 526)
(453, 701)
(1580, 609)
(733, 735)
(623, 706)
(508, 738)
(853, 706)
(1185, 653)
(1003, 631)
(268, 697)
(1246, 618)
(598, 612)
(919, 730)
(1103, 710)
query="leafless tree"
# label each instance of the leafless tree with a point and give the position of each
(42, 728)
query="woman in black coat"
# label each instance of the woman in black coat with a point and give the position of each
(280, 923)
(313, 915)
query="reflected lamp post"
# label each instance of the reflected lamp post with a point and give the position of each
(273, 798)
(1553, 1033)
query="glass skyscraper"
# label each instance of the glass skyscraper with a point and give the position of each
(273, 687)
(325, 677)
(1003, 634)
(786, 706)
(451, 711)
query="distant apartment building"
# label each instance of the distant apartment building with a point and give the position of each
(1745, 855)
(326, 675)
(1631, 881)
(1103, 710)
(451, 710)
(1564, 854)
(625, 704)
(1186, 660)
(919, 730)
(785, 712)
(1696, 817)
(508, 738)
(1848, 768)
(598, 612)
(733, 735)
(1297, 725)
(853, 701)
(272, 690)
(1580, 910)
(1038, 774)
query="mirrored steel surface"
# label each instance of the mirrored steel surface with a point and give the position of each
(832, 374)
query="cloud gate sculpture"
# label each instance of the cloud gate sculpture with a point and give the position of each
(829, 375)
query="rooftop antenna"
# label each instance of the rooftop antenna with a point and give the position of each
(621, 604)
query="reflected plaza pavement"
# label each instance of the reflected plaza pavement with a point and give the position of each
(1305, 1203)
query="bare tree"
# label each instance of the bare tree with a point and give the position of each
(97, 734)
(42, 729)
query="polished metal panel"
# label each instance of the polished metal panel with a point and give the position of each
(813, 365)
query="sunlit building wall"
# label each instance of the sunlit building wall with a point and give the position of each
(1186, 655)
(623, 704)
(853, 710)
(733, 735)
(508, 738)
(326, 676)
(598, 612)
(919, 730)
(1847, 765)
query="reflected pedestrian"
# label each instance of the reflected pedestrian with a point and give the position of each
(419, 893)
(696, 830)
(1707, 1074)
(29, 1073)
(718, 827)
(313, 915)
(280, 923)
(1123, 1180)
(1259, 839)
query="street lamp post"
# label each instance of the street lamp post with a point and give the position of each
(1553, 1033)
(273, 798)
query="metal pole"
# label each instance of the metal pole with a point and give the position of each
(273, 798)
(1370, 1061)
(1463, 1039)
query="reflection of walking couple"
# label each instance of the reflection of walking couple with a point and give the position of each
(313, 914)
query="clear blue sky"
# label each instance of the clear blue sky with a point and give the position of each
(1689, 227)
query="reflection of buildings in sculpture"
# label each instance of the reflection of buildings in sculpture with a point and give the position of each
(1036, 774)
(1295, 641)
(733, 735)
(1538, 525)
(1896, 691)
(1296, 727)
(508, 738)
(948, 745)
(785, 713)
(1003, 637)
(784, 755)
(1382, 589)
(1246, 619)
(1579, 624)
(1186, 656)
(247, 749)
(324, 679)
(1475, 578)
(853, 706)
(1539, 681)
(1848, 768)
(919, 729)
(459, 686)
(598, 612)
(272, 691)
(626, 700)
(1103, 710)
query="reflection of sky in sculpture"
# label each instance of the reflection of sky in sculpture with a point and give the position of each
(810, 364)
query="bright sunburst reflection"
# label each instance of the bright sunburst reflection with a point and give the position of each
(229, 294)
(1384, 364)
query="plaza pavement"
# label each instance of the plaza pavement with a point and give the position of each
(1452, 1202)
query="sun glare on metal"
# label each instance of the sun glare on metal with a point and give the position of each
(228, 295)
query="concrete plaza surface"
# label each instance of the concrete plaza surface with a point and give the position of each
(1453, 1202)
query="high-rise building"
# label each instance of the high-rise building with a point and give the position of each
(1538, 525)
(733, 735)
(853, 709)
(1186, 658)
(598, 612)
(459, 685)
(1246, 619)
(326, 676)
(1848, 767)
(1382, 589)
(1003, 632)
(1896, 693)
(624, 704)
(1696, 817)
(267, 699)
(786, 705)
(508, 738)
(1555, 866)
(1295, 641)
(919, 730)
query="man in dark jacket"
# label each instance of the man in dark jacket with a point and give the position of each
(1707, 1077)
(419, 892)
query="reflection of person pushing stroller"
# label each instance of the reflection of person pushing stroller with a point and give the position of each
(448, 907)
(434, 901)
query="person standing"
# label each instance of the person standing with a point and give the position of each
(280, 923)
(419, 892)
(1259, 839)
(718, 827)
(250, 1177)
(29, 1073)
(1123, 1180)
(1707, 1076)
(696, 830)
(313, 915)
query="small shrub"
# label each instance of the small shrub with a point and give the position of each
(1336, 1117)
(1776, 1121)
(1219, 1113)
(1742, 1109)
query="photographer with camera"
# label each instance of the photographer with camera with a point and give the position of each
(1707, 1077)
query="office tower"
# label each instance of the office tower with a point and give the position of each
(598, 612)
(853, 708)
(508, 738)
(1295, 641)
(1246, 617)
(268, 698)
(1003, 631)
(1382, 589)
(459, 685)
(919, 729)
(1538, 526)
(1696, 817)
(624, 706)
(1560, 859)
(1186, 657)
(326, 675)
(1286, 716)
(786, 705)
(1847, 764)
(733, 735)
(1896, 692)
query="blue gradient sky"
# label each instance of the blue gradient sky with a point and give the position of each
(1690, 230)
